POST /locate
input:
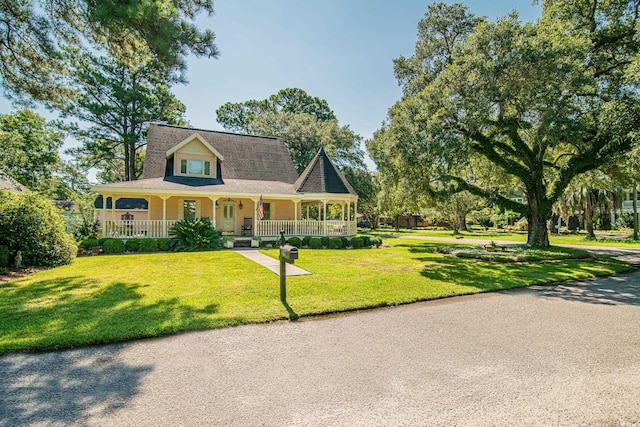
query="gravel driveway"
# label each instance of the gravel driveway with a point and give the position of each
(562, 355)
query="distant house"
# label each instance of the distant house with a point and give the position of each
(10, 184)
(245, 185)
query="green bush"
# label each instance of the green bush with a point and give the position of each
(101, 241)
(163, 244)
(376, 241)
(113, 246)
(88, 243)
(132, 245)
(193, 235)
(315, 243)
(4, 256)
(326, 241)
(357, 243)
(295, 241)
(148, 245)
(335, 243)
(345, 242)
(31, 224)
(305, 241)
(366, 240)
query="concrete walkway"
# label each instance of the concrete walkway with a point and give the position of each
(270, 263)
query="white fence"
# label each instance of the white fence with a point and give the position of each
(127, 229)
(154, 228)
(272, 228)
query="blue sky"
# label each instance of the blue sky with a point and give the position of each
(338, 50)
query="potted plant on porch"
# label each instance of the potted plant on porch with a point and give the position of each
(255, 241)
(227, 242)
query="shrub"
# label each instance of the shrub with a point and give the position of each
(376, 241)
(345, 242)
(315, 243)
(4, 256)
(335, 243)
(326, 240)
(101, 240)
(357, 243)
(31, 224)
(193, 235)
(366, 240)
(147, 245)
(295, 241)
(305, 241)
(163, 244)
(113, 246)
(132, 245)
(89, 242)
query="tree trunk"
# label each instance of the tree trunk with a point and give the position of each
(537, 217)
(635, 213)
(588, 217)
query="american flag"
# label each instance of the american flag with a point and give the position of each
(260, 209)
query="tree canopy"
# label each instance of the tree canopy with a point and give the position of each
(540, 102)
(33, 35)
(117, 102)
(239, 116)
(304, 122)
(30, 147)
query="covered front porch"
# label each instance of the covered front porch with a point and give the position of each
(232, 214)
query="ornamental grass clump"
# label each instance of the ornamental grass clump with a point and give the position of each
(190, 235)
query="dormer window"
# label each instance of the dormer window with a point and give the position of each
(195, 167)
(195, 157)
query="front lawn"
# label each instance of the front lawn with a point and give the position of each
(602, 238)
(115, 298)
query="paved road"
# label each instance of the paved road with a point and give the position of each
(563, 355)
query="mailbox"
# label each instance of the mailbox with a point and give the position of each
(288, 253)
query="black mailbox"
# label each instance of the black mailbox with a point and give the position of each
(289, 253)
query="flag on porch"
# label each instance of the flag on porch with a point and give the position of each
(260, 209)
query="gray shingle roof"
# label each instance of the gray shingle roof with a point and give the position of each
(246, 157)
(322, 176)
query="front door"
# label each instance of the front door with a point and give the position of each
(229, 217)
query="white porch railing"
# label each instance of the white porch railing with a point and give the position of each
(153, 228)
(272, 228)
(127, 229)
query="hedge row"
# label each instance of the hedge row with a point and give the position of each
(335, 242)
(117, 246)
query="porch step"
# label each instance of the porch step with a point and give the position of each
(242, 243)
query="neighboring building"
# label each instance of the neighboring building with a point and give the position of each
(232, 180)
(10, 184)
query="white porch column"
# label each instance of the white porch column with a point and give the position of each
(324, 210)
(295, 216)
(255, 216)
(113, 207)
(214, 200)
(342, 214)
(104, 215)
(164, 215)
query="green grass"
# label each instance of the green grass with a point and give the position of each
(516, 253)
(512, 236)
(122, 297)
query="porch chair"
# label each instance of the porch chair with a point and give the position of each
(247, 227)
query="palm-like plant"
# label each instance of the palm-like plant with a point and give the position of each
(189, 235)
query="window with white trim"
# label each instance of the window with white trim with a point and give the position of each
(195, 167)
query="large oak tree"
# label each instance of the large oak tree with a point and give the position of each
(542, 102)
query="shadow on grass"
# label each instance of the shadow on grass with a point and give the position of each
(73, 311)
(65, 388)
(483, 275)
(617, 290)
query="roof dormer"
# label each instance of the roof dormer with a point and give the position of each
(195, 157)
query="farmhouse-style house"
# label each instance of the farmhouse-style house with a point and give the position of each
(245, 185)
